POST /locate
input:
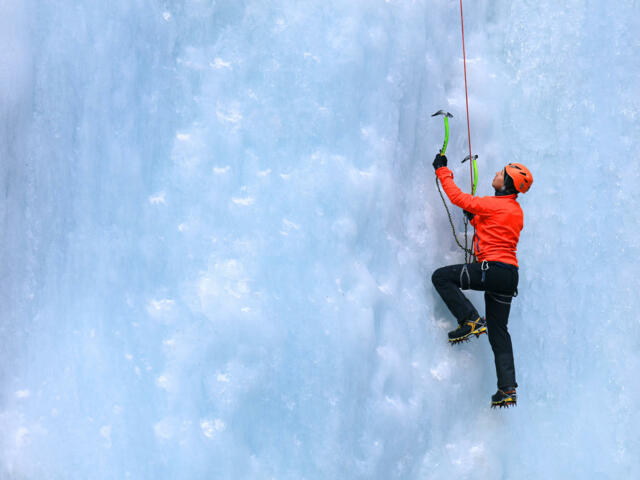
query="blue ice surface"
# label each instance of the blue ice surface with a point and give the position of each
(219, 223)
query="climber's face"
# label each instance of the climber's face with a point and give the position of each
(498, 180)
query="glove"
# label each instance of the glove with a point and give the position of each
(469, 215)
(440, 161)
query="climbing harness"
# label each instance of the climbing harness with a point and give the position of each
(464, 272)
(506, 298)
(506, 301)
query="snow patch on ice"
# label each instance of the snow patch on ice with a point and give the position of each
(218, 63)
(157, 308)
(165, 382)
(288, 224)
(210, 427)
(158, 199)
(243, 201)
(22, 437)
(23, 394)
(105, 432)
(442, 371)
(228, 116)
(164, 429)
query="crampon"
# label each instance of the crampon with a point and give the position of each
(471, 327)
(504, 398)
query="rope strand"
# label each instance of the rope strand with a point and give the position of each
(467, 251)
(466, 95)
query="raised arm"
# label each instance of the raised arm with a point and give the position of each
(476, 205)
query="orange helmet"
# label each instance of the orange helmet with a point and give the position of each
(521, 176)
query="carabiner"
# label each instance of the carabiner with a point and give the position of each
(484, 267)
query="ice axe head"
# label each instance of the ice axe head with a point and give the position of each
(442, 112)
(475, 157)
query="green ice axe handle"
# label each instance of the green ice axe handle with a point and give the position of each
(475, 172)
(446, 136)
(474, 184)
(446, 116)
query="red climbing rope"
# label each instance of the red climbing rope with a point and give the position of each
(467, 258)
(464, 58)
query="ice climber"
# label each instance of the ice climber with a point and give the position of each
(498, 221)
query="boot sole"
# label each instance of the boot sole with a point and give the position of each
(506, 403)
(465, 338)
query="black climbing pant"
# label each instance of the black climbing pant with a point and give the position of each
(499, 282)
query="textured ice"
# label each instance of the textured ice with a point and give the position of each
(219, 222)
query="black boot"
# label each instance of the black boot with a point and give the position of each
(504, 398)
(471, 327)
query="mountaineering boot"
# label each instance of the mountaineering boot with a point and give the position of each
(471, 327)
(504, 398)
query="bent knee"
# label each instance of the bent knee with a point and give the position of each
(438, 277)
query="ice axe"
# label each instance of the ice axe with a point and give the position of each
(473, 159)
(446, 116)
(474, 182)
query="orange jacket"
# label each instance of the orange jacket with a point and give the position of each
(498, 221)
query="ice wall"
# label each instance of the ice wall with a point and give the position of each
(220, 221)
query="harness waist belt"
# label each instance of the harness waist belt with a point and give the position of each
(502, 264)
